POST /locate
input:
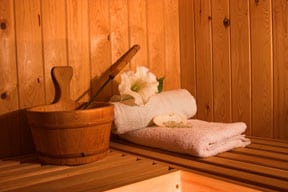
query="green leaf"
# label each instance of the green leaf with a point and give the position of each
(160, 85)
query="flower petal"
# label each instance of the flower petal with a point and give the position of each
(140, 85)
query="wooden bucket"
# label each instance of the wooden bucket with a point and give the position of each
(66, 136)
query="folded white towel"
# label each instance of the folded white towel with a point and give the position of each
(127, 118)
(201, 138)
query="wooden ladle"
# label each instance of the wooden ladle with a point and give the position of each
(62, 76)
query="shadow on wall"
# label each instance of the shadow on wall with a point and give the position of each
(15, 134)
(110, 89)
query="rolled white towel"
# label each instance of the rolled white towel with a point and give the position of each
(178, 101)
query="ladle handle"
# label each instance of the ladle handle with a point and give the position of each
(62, 76)
(123, 60)
(112, 71)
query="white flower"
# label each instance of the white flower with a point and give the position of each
(140, 85)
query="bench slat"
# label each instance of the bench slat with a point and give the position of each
(254, 168)
(261, 153)
(271, 142)
(255, 179)
(59, 172)
(276, 149)
(90, 180)
(256, 160)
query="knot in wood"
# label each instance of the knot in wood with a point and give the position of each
(3, 25)
(226, 22)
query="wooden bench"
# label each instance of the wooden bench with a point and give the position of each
(262, 165)
(129, 167)
(118, 172)
(25, 173)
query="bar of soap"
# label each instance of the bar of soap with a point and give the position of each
(171, 120)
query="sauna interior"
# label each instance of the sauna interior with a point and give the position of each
(231, 55)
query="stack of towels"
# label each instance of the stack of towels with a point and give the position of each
(179, 133)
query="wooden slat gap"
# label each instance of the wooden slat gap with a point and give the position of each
(258, 180)
(261, 153)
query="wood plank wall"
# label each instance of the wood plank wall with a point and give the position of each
(88, 35)
(237, 72)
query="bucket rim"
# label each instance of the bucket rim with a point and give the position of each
(37, 109)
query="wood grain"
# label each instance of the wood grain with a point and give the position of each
(78, 48)
(118, 172)
(29, 53)
(187, 46)
(8, 72)
(261, 69)
(108, 173)
(247, 166)
(54, 41)
(204, 60)
(100, 45)
(172, 47)
(30, 66)
(221, 62)
(156, 37)
(241, 62)
(9, 124)
(119, 34)
(280, 39)
(138, 31)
